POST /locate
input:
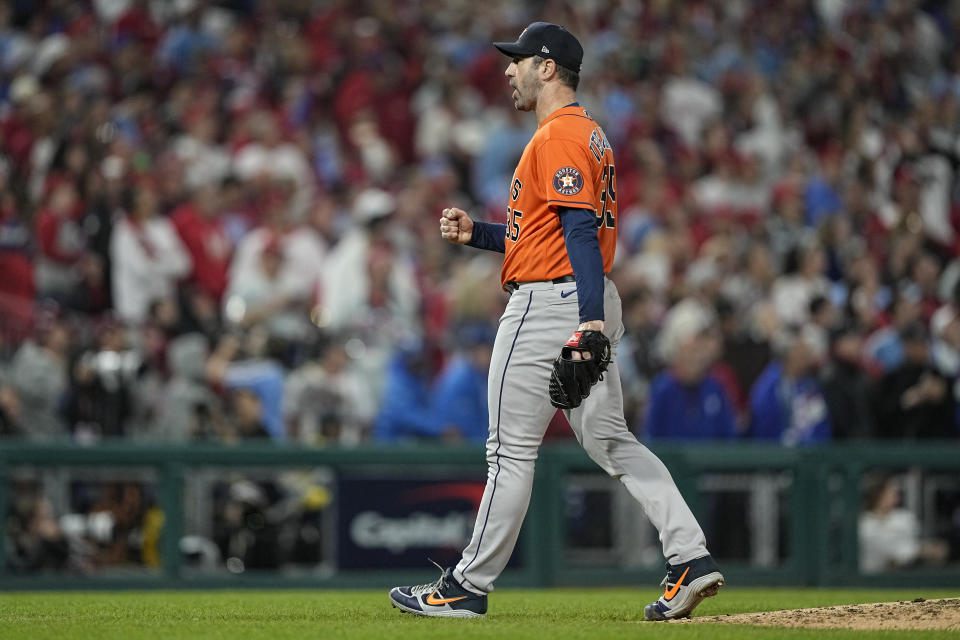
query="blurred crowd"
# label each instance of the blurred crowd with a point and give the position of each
(218, 220)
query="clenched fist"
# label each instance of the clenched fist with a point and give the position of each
(456, 226)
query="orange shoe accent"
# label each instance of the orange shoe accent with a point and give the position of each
(672, 591)
(432, 600)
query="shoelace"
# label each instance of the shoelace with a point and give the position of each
(666, 579)
(430, 587)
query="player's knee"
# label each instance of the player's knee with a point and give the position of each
(599, 452)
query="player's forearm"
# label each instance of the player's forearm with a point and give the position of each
(583, 249)
(488, 235)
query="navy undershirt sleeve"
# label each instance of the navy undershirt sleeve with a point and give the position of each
(488, 235)
(583, 249)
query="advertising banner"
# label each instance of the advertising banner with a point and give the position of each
(400, 521)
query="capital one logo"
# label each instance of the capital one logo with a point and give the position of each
(422, 524)
(373, 530)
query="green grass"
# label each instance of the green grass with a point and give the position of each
(593, 614)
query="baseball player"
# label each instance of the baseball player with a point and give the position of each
(558, 244)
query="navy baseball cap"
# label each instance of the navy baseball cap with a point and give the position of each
(546, 40)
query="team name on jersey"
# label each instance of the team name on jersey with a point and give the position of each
(599, 144)
(515, 188)
(514, 216)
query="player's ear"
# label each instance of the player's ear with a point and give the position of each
(548, 69)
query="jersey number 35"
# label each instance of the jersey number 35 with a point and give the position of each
(608, 197)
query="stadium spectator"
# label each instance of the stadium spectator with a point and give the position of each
(118, 516)
(37, 543)
(246, 417)
(380, 300)
(104, 385)
(802, 280)
(205, 162)
(146, 255)
(847, 386)
(382, 277)
(744, 354)
(913, 400)
(823, 319)
(262, 297)
(39, 374)
(244, 528)
(786, 223)
(460, 392)
(190, 409)
(688, 103)
(326, 401)
(945, 331)
(822, 192)
(245, 364)
(267, 157)
(61, 242)
(307, 246)
(945, 349)
(204, 238)
(889, 534)
(275, 271)
(405, 408)
(841, 245)
(18, 286)
(787, 403)
(686, 401)
(496, 158)
(867, 297)
(924, 272)
(750, 281)
(884, 347)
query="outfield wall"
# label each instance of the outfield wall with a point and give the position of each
(268, 516)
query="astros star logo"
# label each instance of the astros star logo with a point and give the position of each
(567, 181)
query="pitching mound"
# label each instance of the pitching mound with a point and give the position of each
(919, 614)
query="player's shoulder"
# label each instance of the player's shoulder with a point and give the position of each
(571, 124)
(574, 126)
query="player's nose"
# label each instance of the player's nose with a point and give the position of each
(511, 69)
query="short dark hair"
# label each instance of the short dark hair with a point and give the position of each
(818, 303)
(568, 77)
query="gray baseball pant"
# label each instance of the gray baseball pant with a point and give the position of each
(537, 321)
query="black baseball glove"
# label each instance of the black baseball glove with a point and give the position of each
(571, 380)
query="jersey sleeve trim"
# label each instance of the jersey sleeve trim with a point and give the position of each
(567, 203)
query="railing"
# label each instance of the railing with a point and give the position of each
(821, 499)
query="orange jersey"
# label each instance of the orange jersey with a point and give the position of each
(567, 163)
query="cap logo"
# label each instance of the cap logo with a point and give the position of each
(544, 49)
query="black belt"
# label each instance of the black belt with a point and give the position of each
(514, 285)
